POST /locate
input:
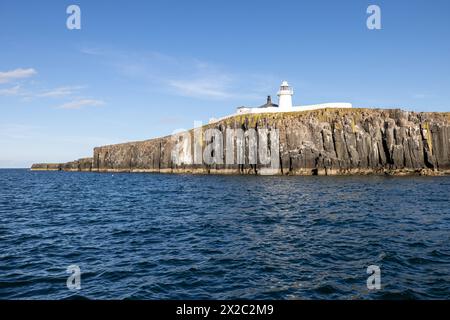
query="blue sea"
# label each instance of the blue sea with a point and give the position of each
(156, 236)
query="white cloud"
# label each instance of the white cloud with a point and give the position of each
(14, 91)
(82, 103)
(60, 92)
(92, 51)
(212, 86)
(206, 88)
(423, 95)
(185, 76)
(9, 76)
(16, 131)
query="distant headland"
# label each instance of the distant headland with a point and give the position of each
(281, 139)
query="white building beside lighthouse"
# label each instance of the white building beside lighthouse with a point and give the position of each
(285, 94)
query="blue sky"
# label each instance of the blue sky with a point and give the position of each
(142, 69)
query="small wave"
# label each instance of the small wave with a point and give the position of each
(76, 297)
(407, 294)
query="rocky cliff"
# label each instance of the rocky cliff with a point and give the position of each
(322, 142)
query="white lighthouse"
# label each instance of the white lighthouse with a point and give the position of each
(285, 97)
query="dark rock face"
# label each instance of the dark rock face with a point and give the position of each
(46, 166)
(84, 164)
(323, 142)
